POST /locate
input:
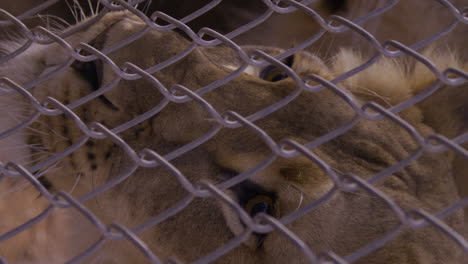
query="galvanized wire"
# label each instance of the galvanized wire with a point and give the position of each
(148, 158)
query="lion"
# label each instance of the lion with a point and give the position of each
(231, 178)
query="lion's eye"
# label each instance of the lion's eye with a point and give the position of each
(92, 72)
(260, 204)
(254, 199)
(273, 74)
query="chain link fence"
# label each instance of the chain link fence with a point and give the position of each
(145, 157)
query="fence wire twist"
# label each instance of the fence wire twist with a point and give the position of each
(261, 223)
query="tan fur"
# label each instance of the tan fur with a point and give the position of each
(343, 224)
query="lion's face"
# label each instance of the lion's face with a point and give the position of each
(273, 165)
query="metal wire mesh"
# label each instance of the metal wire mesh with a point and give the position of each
(415, 218)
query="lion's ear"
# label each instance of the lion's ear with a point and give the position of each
(392, 81)
(446, 110)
